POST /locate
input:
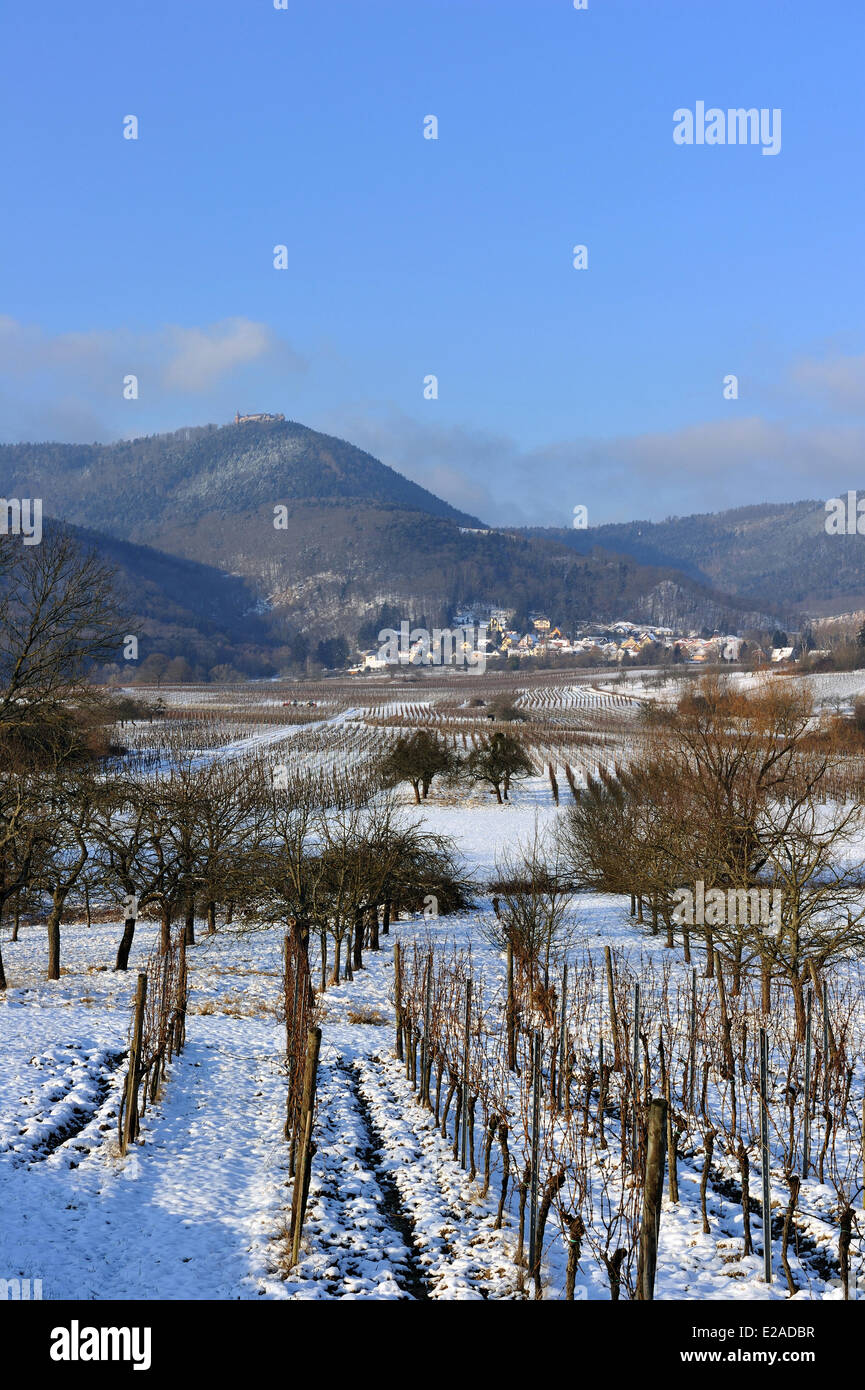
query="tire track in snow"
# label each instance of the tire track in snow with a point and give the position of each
(412, 1280)
(356, 1241)
(75, 1102)
(465, 1258)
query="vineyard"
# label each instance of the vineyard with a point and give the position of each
(373, 1047)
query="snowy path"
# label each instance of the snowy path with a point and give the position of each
(391, 1215)
(465, 1258)
(356, 1244)
(191, 1211)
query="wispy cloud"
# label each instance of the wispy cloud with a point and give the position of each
(838, 381)
(703, 467)
(200, 357)
(85, 372)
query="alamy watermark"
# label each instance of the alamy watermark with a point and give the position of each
(733, 907)
(77, 1343)
(22, 516)
(20, 1290)
(845, 516)
(462, 647)
(735, 126)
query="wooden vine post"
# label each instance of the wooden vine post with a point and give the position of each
(653, 1191)
(307, 1148)
(397, 989)
(130, 1111)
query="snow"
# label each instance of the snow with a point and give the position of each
(199, 1208)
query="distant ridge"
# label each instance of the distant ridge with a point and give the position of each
(775, 553)
(136, 488)
(234, 541)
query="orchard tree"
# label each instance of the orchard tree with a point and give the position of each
(497, 762)
(417, 758)
(69, 802)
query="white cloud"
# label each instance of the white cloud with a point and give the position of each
(202, 356)
(175, 357)
(839, 381)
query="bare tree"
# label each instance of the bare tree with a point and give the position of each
(58, 616)
(532, 893)
(69, 800)
(418, 758)
(808, 848)
(25, 837)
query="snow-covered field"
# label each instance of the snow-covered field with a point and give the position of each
(199, 1208)
(830, 690)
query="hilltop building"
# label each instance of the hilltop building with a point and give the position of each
(269, 419)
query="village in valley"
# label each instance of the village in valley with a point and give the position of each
(543, 642)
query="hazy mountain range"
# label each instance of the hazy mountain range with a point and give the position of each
(775, 553)
(235, 542)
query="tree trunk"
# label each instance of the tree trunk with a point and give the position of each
(614, 1272)
(736, 983)
(554, 1185)
(766, 989)
(337, 961)
(385, 918)
(708, 1149)
(211, 918)
(54, 940)
(794, 1183)
(745, 1181)
(506, 1173)
(728, 1069)
(611, 1003)
(373, 928)
(300, 933)
(299, 928)
(511, 1013)
(189, 925)
(799, 1004)
(576, 1230)
(165, 930)
(844, 1237)
(122, 961)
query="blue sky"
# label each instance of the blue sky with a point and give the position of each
(407, 256)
